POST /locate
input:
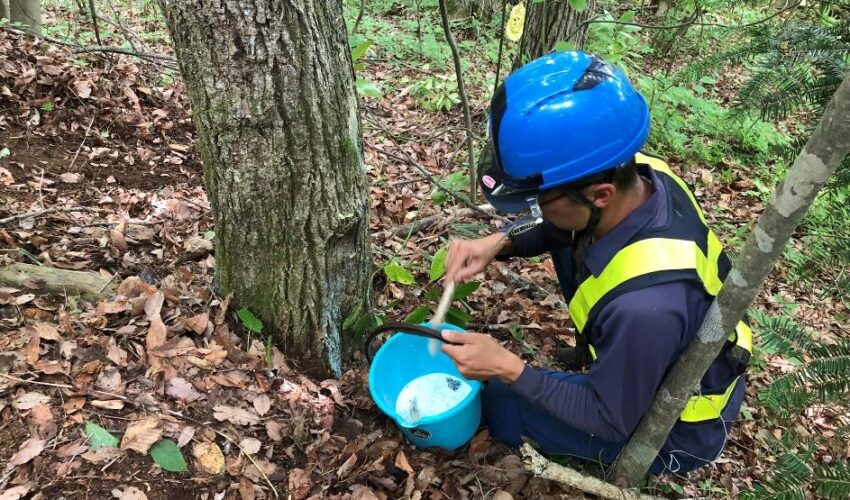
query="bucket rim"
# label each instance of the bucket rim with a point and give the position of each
(390, 412)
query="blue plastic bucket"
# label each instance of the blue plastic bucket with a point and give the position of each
(405, 357)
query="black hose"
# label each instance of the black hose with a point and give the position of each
(419, 330)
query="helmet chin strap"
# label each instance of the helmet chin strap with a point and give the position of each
(593, 220)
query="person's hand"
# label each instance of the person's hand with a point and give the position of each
(480, 357)
(466, 258)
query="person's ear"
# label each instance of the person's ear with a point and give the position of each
(601, 194)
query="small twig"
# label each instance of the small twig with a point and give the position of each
(121, 50)
(470, 135)
(85, 136)
(359, 17)
(93, 14)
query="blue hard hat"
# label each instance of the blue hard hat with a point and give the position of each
(561, 119)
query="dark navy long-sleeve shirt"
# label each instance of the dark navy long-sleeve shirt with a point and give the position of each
(637, 336)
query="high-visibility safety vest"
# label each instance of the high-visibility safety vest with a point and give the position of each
(683, 250)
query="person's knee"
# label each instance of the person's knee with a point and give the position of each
(501, 412)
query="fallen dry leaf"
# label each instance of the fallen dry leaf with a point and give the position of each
(246, 489)
(346, 467)
(131, 493)
(110, 404)
(141, 435)
(208, 457)
(109, 380)
(250, 445)
(273, 429)
(16, 492)
(46, 331)
(235, 415)
(153, 304)
(71, 449)
(28, 450)
(179, 388)
(30, 400)
(299, 483)
(198, 323)
(360, 492)
(262, 404)
(70, 178)
(402, 463)
(177, 346)
(42, 417)
(186, 435)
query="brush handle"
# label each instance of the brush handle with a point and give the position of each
(445, 302)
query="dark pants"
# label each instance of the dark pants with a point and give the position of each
(509, 417)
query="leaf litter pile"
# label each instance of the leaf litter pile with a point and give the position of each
(157, 390)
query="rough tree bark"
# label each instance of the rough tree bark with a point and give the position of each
(271, 84)
(27, 12)
(550, 22)
(827, 147)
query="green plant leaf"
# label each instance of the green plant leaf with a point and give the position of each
(99, 437)
(458, 317)
(463, 290)
(578, 5)
(249, 321)
(209, 235)
(4, 153)
(360, 50)
(438, 265)
(353, 316)
(167, 455)
(395, 272)
(419, 315)
(367, 88)
(628, 16)
(434, 293)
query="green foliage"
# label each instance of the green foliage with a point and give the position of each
(396, 272)
(435, 93)
(167, 455)
(249, 321)
(456, 181)
(616, 43)
(824, 379)
(824, 249)
(99, 437)
(700, 130)
(438, 265)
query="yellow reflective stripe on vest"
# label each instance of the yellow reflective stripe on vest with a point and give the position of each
(708, 407)
(646, 257)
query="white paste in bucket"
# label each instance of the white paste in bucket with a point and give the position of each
(430, 395)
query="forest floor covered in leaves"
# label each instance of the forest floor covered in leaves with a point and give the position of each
(107, 145)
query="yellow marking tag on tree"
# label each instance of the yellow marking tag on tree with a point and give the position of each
(516, 21)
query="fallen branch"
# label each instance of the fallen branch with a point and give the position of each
(39, 213)
(90, 286)
(426, 222)
(543, 468)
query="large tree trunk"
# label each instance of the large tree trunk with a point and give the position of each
(271, 85)
(4, 9)
(827, 147)
(26, 12)
(550, 22)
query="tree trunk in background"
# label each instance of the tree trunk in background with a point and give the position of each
(27, 12)
(828, 146)
(271, 85)
(550, 22)
(4, 9)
